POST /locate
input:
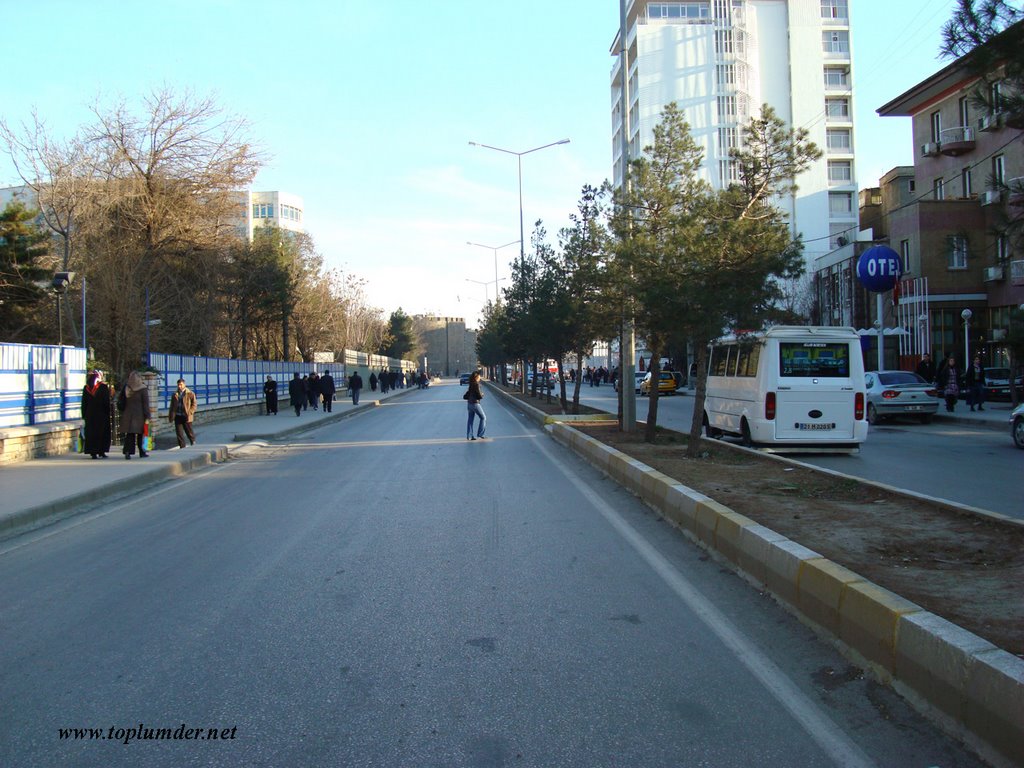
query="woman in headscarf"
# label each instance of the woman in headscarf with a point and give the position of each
(96, 414)
(134, 414)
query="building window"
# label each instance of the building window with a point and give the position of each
(725, 76)
(834, 9)
(678, 11)
(727, 139)
(998, 171)
(728, 172)
(723, 41)
(905, 255)
(836, 42)
(965, 112)
(911, 186)
(965, 181)
(995, 96)
(936, 119)
(837, 108)
(838, 139)
(837, 77)
(1002, 249)
(840, 171)
(726, 109)
(958, 252)
(938, 189)
(840, 204)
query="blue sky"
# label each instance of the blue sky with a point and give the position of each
(366, 110)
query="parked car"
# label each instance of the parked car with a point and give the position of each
(464, 378)
(638, 377)
(997, 384)
(899, 393)
(666, 383)
(1017, 426)
(546, 380)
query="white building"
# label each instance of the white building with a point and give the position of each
(279, 208)
(719, 60)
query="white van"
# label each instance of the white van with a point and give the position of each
(789, 389)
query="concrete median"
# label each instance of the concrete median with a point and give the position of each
(969, 686)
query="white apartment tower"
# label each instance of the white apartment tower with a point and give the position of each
(719, 60)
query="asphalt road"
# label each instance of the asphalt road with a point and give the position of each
(977, 466)
(382, 592)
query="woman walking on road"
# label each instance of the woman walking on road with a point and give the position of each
(96, 413)
(473, 397)
(133, 402)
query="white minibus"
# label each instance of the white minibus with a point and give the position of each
(789, 389)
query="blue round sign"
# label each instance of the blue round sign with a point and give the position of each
(879, 268)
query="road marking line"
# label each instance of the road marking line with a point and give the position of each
(818, 725)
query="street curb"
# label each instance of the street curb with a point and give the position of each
(310, 425)
(968, 685)
(59, 509)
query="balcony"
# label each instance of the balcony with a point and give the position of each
(991, 197)
(956, 141)
(1014, 119)
(994, 274)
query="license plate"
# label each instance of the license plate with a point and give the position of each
(914, 407)
(815, 427)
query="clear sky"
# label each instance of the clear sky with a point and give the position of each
(366, 110)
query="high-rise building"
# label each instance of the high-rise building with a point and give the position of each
(281, 209)
(719, 61)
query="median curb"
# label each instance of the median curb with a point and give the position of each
(972, 688)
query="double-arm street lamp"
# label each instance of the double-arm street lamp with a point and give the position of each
(494, 248)
(519, 160)
(522, 242)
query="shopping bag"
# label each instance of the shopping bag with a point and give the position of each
(147, 443)
(80, 441)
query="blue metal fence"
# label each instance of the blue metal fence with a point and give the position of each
(40, 384)
(223, 380)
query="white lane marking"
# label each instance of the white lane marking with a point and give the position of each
(811, 718)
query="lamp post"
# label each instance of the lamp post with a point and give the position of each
(494, 248)
(966, 315)
(519, 160)
(480, 282)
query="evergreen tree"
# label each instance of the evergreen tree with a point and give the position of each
(22, 274)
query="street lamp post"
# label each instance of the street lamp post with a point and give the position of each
(519, 160)
(966, 315)
(495, 249)
(480, 282)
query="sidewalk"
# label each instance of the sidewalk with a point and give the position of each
(44, 490)
(995, 415)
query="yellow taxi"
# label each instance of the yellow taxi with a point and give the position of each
(666, 383)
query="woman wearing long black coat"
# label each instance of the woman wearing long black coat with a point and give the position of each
(96, 414)
(135, 414)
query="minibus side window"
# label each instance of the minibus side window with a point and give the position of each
(734, 355)
(742, 355)
(752, 360)
(719, 361)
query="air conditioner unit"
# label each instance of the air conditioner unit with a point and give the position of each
(989, 122)
(993, 274)
(931, 149)
(991, 196)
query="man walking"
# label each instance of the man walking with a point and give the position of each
(181, 412)
(355, 383)
(327, 390)
(297, 393)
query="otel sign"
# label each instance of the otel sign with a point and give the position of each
(879, 268)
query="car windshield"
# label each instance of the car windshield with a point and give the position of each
(997, 373)
(900, 377)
